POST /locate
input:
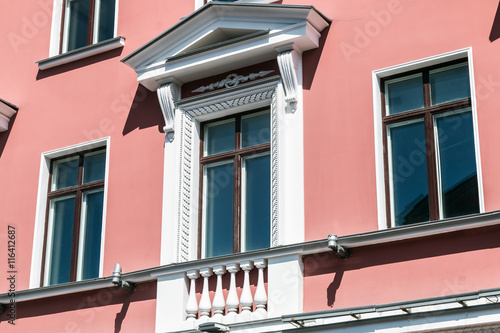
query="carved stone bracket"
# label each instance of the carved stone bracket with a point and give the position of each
(288, 62)
(168, 93)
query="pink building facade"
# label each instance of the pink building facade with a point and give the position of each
(250, 165)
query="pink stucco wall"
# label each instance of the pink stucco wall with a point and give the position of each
(71, 104)
(100, 97)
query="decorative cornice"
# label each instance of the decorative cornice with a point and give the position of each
(232, 80)
(168, 93)
(288, 62)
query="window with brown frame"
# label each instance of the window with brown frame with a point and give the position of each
(430, 158)
(86, 22)
(235, 172)
(73, 229)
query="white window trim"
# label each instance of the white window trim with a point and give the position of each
(41, 207)
(55, 32)
(377, 75)
(181, 175)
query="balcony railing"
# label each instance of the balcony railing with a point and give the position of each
(243, 287)
(230, 308)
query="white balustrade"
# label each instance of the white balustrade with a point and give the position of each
(232, 303)
(192, 304)
(205, 304)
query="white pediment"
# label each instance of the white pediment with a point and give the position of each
(223, 36)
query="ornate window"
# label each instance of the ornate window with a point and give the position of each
(236, 184)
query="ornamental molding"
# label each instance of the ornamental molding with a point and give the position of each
(168, 93)
(189, 112)
(232, 80)
(230, 100)
(288, 62)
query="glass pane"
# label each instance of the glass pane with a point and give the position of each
(257, 196)
(92, 229)
(457, 160)
(65, 173)
(404, 94)
(218, 197)
(78, 23)
(219, 137)
(450, 84)
(106, 19)
(255, 129)
(409, 173)
(62, 221)
(94, 165)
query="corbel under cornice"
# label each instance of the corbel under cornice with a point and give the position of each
(168, 93)
(288, 62)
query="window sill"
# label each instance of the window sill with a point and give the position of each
(81, 53)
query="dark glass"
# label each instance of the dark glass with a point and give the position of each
(457, 159)
(63, 213)
(94, 165)
(257, 208)
(404, 95)
(255, 129)
(65, 173)
(219, 137)
(92, 215)
(106, 28)
(219, 209)
(449, 84)
(409, 173)
(78, 24)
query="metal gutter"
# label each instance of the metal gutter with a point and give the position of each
(319, 246)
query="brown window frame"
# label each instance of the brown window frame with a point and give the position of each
(426, 113)
(78, 191)
(237, 154)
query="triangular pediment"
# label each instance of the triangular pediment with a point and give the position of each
(223, 36)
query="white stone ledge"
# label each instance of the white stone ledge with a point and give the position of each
(320, 246)
(81, 53)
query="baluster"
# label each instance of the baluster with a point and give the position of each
(205, 304)
(232, 301)
(260, 297)
(192, 304)
(218, 303)
(246, 299)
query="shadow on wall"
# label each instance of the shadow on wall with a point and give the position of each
(495, 28)
(311, 59)
(144, 112)
(457, 242)
(86, 307)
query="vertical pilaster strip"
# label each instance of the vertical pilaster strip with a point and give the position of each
(274, 169)
(185, 187)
